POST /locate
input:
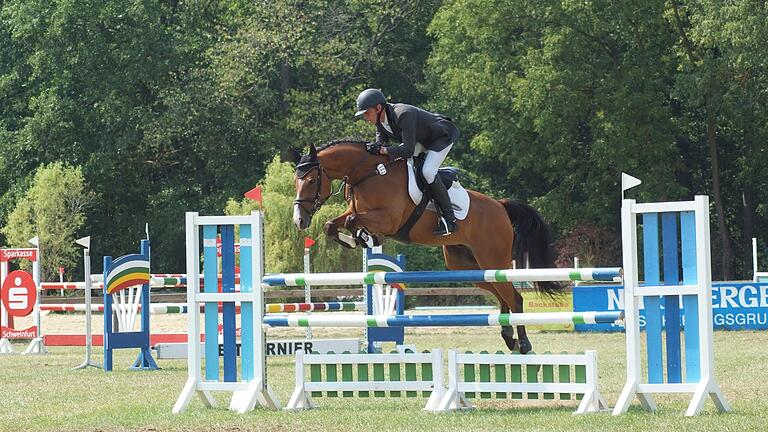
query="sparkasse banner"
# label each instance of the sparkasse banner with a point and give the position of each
(735, 305)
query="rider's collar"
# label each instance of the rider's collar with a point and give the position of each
(382, 118)
(385, 123)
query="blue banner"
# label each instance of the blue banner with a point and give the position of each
(735, 306)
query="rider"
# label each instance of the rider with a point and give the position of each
(418, 131)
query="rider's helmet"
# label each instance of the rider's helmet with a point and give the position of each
(369, 98)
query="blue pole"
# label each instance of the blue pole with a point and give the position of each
(228, 308)
(145, 360)
(107, 262)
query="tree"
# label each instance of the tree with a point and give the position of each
(54, 209)
(173, 106)
(558, 94)
(558, 98)
(721, 86)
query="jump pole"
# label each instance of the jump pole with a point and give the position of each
(458, 320)
(610, 274)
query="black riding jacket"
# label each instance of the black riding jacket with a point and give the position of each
(411, 125)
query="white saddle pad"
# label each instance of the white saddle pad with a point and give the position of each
(459, 195)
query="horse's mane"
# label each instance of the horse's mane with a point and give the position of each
(308, 158)
(355, 141)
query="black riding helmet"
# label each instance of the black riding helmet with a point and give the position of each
(369, 98)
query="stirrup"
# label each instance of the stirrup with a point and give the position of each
(445, 228)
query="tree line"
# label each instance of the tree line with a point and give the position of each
(168, 106)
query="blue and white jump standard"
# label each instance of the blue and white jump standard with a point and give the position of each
(693, 290)
(251, 388)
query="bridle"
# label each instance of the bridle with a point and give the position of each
(317, 201)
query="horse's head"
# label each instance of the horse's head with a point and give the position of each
(313, 187)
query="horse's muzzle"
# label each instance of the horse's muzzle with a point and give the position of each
(301, 218)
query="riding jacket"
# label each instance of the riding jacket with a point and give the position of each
(411, 125)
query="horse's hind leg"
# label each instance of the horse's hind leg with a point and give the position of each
(461, 258)
(489, 260)
(511, 301)
(507, 332)
(525, 344)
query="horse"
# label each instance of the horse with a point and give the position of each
(493, 233)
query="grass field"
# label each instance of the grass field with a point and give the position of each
(42, 393)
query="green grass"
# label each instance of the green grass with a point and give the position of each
(42, 393)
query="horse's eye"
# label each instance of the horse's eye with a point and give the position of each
(311, 181)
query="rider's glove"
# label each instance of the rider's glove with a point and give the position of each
(373, 148)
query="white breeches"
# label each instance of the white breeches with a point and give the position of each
(432, 162)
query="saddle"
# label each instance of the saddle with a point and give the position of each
(422, 196)
(447, 175)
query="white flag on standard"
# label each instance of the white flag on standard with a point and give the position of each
(628, 182)
(84, 242)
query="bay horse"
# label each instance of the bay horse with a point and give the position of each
(493, 234)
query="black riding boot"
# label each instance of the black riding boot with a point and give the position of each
(447, 223)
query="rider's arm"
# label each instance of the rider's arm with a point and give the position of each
(407, 123)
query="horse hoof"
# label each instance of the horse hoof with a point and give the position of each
(508, 334)
(525, 346)
(511, 343)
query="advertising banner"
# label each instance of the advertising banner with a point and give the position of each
(735, 305)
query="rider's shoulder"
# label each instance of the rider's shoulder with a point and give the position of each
(400, 108)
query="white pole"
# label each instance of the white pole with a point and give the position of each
(576, 265)
(607, 274)
(37, 346)
(3, 275)
(366, 299)
(5, 344)
(754, 259)
(266, 397)
(307, 291)
(88, 331)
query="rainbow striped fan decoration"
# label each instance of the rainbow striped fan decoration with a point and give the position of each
(379, 263)
(127, 271)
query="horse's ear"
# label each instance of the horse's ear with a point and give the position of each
(312, 151)
(293, 155)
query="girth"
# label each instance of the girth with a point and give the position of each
(403, 235)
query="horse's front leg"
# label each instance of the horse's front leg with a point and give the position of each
(331, 229)
(378, 221)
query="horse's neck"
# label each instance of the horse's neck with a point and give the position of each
(347, 161)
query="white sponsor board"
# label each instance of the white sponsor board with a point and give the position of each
(273, 348)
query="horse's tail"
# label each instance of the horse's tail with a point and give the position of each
(533, 240)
